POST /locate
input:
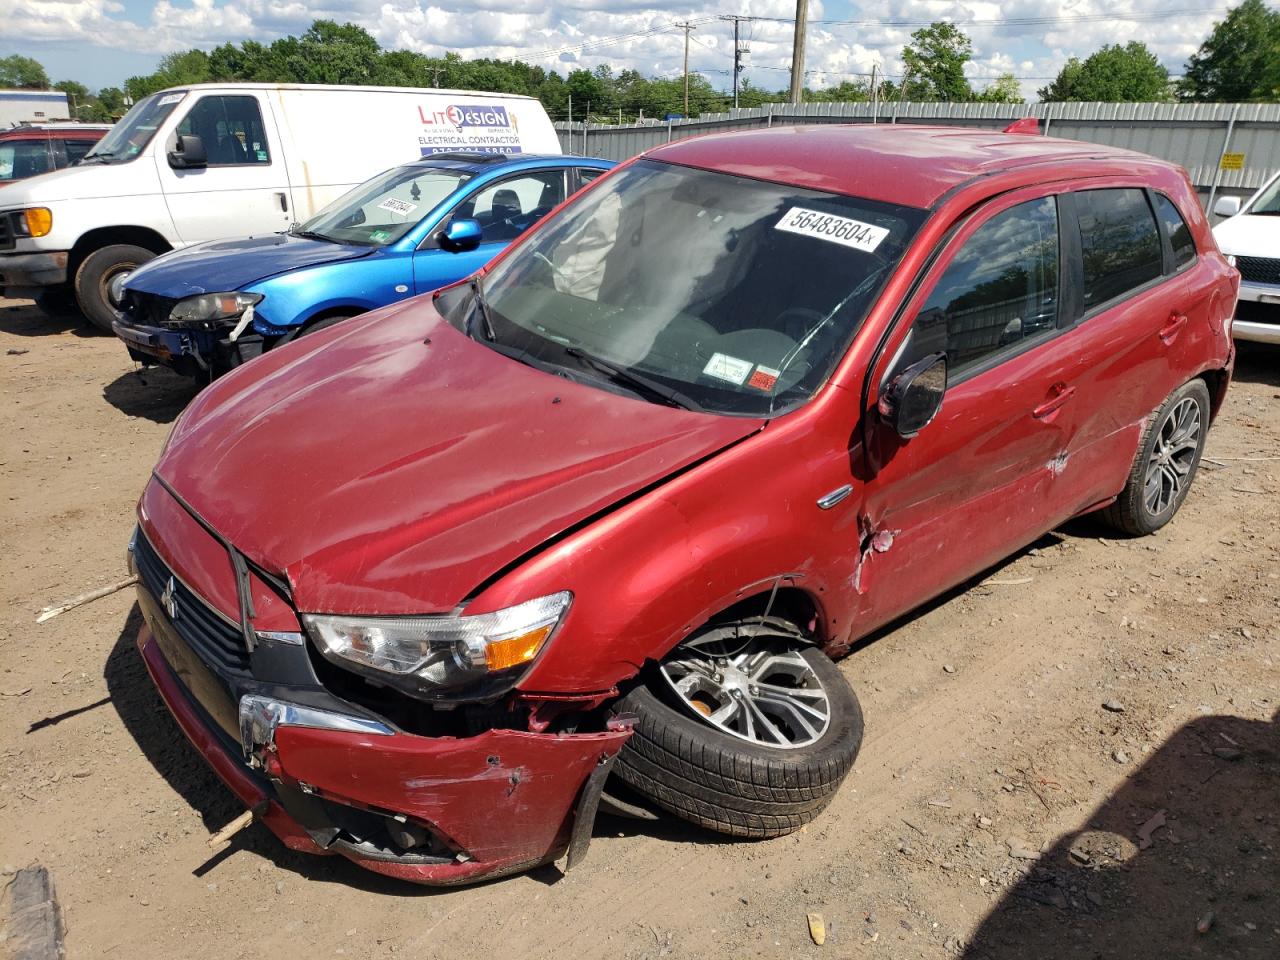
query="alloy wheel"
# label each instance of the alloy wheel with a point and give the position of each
(1172, 456)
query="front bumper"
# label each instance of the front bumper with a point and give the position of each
(1257, 313)
(192, 353)
(23, 274)
(486, 805)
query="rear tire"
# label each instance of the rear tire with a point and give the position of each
(95, 274)
(1168, 457)
(728, 783)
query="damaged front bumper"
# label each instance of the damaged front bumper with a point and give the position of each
(190, 352)
(329, 777)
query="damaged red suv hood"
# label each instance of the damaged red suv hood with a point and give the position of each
(384, 474)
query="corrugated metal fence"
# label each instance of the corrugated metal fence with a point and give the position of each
(1194, 135)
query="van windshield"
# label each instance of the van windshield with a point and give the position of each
(384, 209)
(1268, 202)
(130, 136)
(731, 295)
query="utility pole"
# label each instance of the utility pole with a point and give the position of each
(686, 27)
(797, 52)
(875, 97)
(738, 51)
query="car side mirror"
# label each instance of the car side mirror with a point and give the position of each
(914, 397)
(460, 236)
(1227, 206)
(189, 154)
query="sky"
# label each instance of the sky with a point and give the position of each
(102, 42)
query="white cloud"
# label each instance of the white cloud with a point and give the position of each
(551, 34)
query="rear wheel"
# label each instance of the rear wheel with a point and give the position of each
(94, 276)
(745, 733)
(1167, 460)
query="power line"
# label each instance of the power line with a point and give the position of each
(1005, 21)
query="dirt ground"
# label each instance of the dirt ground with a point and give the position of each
(998, 808)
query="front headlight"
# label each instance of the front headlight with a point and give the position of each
(450, 658)
(209, 307)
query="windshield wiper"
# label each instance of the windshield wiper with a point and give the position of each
(485, 316)
(105, 156)
(638, 384)
(312, 235)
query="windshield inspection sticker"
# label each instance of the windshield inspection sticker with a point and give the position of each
(827, 226)
(402, 207)
(724, 367)
(764, 378)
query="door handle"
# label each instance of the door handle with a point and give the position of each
(1169, 332)
(284, 201)
(1061, 394)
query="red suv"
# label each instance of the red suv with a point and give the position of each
(429, 587)
(38, 148)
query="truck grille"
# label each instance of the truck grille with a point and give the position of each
(1259, 269)
(6, 232)
(214, 640)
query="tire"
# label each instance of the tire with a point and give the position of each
(57, 303)
(95, 273)
(325, 322)
(682, 763)
(1168, 453)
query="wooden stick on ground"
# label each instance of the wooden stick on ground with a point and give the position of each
(236, 825)
(48, 613)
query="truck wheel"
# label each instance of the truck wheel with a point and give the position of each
(748, 735)
(56, 302)
(1167, 459)
(95, 274)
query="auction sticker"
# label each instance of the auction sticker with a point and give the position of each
(169, 98)
(827, 226)
(724, 367)
(402, 207)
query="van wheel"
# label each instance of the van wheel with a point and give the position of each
(1167, 460)
(56, 302)
(95, 275)
(745, 734)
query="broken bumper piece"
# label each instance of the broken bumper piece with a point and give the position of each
(433, 810)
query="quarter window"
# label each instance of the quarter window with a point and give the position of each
(1184, 248)
(999, 290)
(231, 130)
(1119, 242)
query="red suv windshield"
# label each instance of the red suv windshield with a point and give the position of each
(737, 294)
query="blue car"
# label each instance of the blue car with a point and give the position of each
(417, 227)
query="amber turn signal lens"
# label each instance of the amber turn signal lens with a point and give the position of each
(501, 654)
(39, 221)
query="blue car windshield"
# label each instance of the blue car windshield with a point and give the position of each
(382, 210)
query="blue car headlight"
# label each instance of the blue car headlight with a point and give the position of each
(210, 308)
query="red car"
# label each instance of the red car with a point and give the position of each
(38, 148)
(425, 587)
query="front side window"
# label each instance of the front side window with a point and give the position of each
(382, 210)
(1000, 289)
(1184, 248)
(231, 130)
(1119, 242)
(24, 158)
(1268, 202)
(76, 149)
(130, 136)
(730, 294)
(510, 207)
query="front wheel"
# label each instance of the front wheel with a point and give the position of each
(748, 734)
(1167, 459)
(93, 279)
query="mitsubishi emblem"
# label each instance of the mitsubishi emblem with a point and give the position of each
(169, 601)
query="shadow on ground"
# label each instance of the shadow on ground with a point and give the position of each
(23, 318)
(156, 393)
(1208, 883)
(1258, 363)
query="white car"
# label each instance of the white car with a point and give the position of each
(1250, 238)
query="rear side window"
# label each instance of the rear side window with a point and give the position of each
(1119, 241)
(1001, 289)
(1184, 248)
(230, 129)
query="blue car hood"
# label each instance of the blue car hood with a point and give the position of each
(224, 265)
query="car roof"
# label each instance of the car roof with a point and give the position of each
(486, 162)
(908, 164)
(52, 131)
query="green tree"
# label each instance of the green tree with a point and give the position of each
(175, 70)
(1130, 73)
(935, 60)
(1004, 89)
(1240, 60)
(79, 100)
(22, 73)
(330, 53)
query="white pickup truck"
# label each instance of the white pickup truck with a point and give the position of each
(212, 161)
(1250, 237)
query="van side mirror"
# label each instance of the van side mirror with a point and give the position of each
(914, 397)
(460, 236)
(1227, 206)
(189, 154)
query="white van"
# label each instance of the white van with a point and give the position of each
(1251, 240)
(212, 161)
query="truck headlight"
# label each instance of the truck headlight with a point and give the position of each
(209, 307)
(32, 222)
(443, 658)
